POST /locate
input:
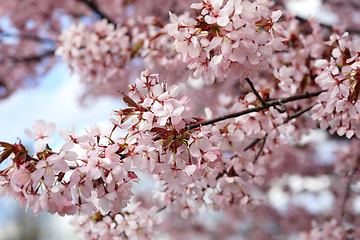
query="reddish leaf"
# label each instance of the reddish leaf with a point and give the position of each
(128, 111)
(126, 114)
(128, 100)
(60, 176)
(162, 132)
(132, 175)
(354, 95)
(167, 143)
(5, 154)
(156, 129)
(6, 145)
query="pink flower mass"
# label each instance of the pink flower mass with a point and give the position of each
(218, 120)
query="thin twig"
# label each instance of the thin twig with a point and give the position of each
(329, 27)
(263, 103)
(91, 4)
(28, 37)
(299, 113)
(278, 102)
(164, 207)
(31, 58)
(348, 188)
(161, 209)
(252, 144)
(261, 149)
(288, 120)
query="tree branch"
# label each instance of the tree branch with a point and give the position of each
(329, 27)
(299, 113)
(288, 120)
(263, 103)
(93, 6)
(277, 102)
(348, 187)
(252, 144)
(342, 4)
(28, 37)
(261, 148)
(31, 58)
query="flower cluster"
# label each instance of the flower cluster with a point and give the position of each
(339, 107)
(157, 140)
(139, 223)
(347, 160)
(331, 230)
(91, 53)
(101, 53)
(100, 177)
(295, 78)
(186, 160)
(64, 182)
(227, 41)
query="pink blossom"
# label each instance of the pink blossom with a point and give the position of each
(171, 109)
(42, 131)
(47, 169)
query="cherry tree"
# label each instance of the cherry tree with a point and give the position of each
(266, 78)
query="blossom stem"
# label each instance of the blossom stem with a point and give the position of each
(93, 6)
(277, 102)
(288, 120)
(252, 144)
(263, 103)
(261, 149)
(28, 37)
(348, 188)
(299, 113)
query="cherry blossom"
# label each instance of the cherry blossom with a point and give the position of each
(42, 131)
(229, 138)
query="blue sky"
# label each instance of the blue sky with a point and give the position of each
(54, 100)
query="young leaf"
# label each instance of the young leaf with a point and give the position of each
(162, 132)
(6, 145)
(125, 114)
(128, 100)
(5, 154)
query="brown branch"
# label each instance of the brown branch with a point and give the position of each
(343, 4)
(299, 113)
(278, 102)
(161, 209)
(329, 27)
(31, 58)
(263, 103)
(93, 6)
(28, 37)
(261, 148)
(164, 207)
(348, 188)
(252, 144)
(288, 120)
